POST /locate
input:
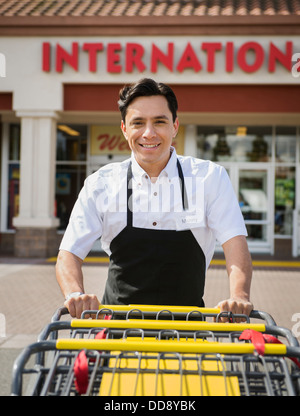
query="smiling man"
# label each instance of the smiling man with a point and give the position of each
(159, 241)
(150, 129)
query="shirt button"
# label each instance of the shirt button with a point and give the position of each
(155, 194)
(146, 176)
(154, 223)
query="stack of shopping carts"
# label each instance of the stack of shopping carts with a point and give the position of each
(150, 350)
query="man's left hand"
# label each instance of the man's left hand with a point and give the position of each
(236, 306)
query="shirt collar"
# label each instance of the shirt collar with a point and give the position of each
(170, 169)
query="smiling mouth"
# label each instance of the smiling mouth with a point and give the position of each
(149, 146)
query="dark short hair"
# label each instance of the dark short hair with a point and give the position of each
(146, 87)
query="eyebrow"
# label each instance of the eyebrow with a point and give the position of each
(160, 117)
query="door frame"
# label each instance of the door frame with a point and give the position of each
(233, 170)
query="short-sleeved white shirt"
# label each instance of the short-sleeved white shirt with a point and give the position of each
(213, 212)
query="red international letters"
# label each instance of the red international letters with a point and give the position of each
(116, 57)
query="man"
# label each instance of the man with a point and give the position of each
(158, 215)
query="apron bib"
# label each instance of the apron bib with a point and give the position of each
(156, 267)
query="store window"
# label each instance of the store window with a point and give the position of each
(13, 173)
(274, 158)
(253, 200)
(71, 161)
(285, 144)
(284, 200)
(235, 144)
(71, 143)
(285, 179)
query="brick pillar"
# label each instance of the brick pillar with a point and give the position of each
(36, 242)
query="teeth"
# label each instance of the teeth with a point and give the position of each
(149, 145)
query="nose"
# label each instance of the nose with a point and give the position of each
(149, 131)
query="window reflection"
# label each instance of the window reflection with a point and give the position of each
(14, 142)
(257, 232)
(71, 142)
(13, 174)
(70, 168)
(285, 144)
(69, 181)
(284, 200)
(13, 193)
(239, 144)
(253, 201)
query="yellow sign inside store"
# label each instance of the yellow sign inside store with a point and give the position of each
(109, 140)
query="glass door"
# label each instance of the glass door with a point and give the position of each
(255, 198)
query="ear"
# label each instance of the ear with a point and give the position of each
(123, 127)
(176, 127)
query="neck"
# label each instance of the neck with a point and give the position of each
(153, 169)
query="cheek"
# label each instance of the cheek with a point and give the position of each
(131, 140)
(132, 136)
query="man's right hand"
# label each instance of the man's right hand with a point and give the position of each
(70, 279)
(76, 305)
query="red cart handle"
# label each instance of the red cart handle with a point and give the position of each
(81, 365)
(81, 372)
(259, 339)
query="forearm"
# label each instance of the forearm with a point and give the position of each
(239, 283)
(239, 267)
(69, 273)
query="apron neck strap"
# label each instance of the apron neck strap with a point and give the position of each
(129, 192)
(129, 196)
(182, 186)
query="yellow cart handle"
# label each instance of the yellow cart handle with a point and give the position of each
(157, 308)
(166, 346)
(162, 325)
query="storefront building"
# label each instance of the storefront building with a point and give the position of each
(234, 66)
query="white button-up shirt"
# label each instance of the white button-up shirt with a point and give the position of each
(213, 212)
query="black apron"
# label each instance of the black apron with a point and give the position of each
(156, 267)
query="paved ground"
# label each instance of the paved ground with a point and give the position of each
(29, 295)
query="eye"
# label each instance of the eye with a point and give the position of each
(137, 123)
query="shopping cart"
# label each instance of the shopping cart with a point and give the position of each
(142, 350)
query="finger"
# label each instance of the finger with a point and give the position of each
(95, 304)
(241, 310)
(78, 302)
(240, 307)
(71, 306)
(231, 307)
(237, 308)
(90, 302)
(224, 307)
(86, 306)
(247, 308)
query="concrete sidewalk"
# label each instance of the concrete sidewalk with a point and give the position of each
(29, 296)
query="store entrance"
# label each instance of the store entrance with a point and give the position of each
(263, 165)
(254, 189)
(255, 195)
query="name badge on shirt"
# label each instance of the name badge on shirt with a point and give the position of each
(187, 221)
